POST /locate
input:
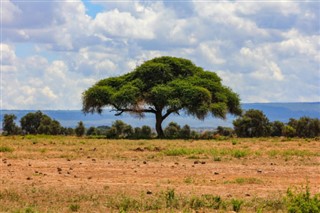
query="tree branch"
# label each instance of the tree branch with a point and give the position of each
(122, 110)
(169, 111)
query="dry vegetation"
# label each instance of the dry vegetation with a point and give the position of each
(68, 174)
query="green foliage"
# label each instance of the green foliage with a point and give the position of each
(170, 198)
(163, 86)
(74, 207)
(224, 131)
(205, 201)
(252, 124)
(276, 128)
(302, 202)
(80, 129)
(145, 132)
(39, 123)
(93, 131)
(288, 131)
(6, 149)
(172, 131)
(120, 129)
(236, 204)
(9, 126)
(185, 132)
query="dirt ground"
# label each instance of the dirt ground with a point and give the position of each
(97, 168)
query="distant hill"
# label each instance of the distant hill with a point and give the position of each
(274, 111)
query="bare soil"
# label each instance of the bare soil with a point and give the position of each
(50, 171)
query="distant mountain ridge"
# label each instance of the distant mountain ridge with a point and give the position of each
(274, 111)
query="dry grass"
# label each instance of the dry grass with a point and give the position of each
(67, 174)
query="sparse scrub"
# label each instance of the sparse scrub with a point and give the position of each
(6, 149)
(236, 204)
(302, 201)
(74, 207)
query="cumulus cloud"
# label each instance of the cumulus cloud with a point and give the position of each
(267, 51)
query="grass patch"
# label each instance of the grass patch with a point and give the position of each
(183, 152)
(239, 153)
(6, 149)
(243, 181)
(302, 201)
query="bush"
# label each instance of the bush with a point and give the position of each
(120, 129)
(225, 131)
(9, 126)
(172, 131)
(80, 129)
(252, 124)
(302, 202)
(236, 204)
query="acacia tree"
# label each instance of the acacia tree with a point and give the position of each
(163, 86)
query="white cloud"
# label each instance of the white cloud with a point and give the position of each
(264, 51)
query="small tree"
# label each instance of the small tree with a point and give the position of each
(146, 132)
(120, 129)
(9, 126)
(288, 131)
(92, 131)
(307, 127)
(185, 132)
(224, 131)
(276, 128)
(80, 129)
(31, 122)
(172, 130)
(252, 124)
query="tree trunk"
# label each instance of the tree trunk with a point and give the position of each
(159, 120)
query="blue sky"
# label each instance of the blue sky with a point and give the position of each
(51, 51)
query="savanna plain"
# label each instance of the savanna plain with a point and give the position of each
(72, 174)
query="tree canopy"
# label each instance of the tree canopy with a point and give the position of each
(163, 86)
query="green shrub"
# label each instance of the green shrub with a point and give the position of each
(302, 201)
(6, 149)
(236, 204)
(74, 207)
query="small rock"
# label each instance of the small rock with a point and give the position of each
(144, 162)
(68, 159)
(94, 160)
(59, 169)
(29, 178)
(88, 157)
(196, 162)
(216, 173)
(75, 176)
(149, 192)
(176, 163)
(248, 195)
(70, 168)
(9, 164)
(36, 172)
(259, 171)
(203, 162)
(29, 164)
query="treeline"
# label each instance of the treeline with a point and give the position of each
(253, 123)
